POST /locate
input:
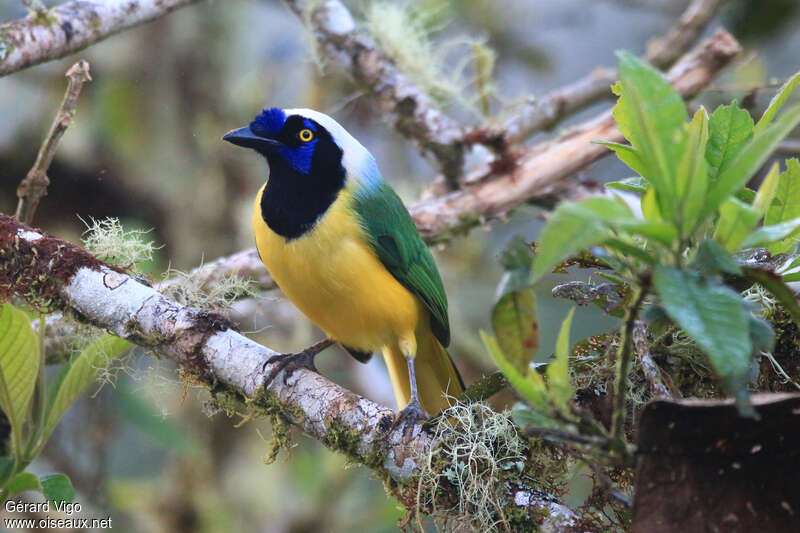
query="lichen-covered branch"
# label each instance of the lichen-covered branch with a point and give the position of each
(34, 185)
(49, 272)
(48, 34)
(411, 111)
(544, 167)
(541, 113)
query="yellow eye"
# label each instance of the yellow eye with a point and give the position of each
(306, 135)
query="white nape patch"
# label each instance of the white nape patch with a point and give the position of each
(357, 161)
(339, 19)
(28, 235)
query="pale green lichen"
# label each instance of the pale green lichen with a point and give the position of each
(192, 290)
(477, 448)
(439, 67)
(109, 241)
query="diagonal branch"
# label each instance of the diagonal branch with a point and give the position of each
(48, 271)
(412, 112)
(544, 167)
(48, 34)
(662, 52)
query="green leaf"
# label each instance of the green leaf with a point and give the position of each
(57, 488)
(767, 191)
(575, 226)
(522, 415)
(636, 184)
(713, 258)
(560, 390)
(627, 154)
(692, 174)
(7, 464)
(517, 255)
(514, 314)
(23, 481)
(19, 365)
(630, 250)
(715, 317)
(650, 114)
(651, 229)
(78, 374)
(746, 195)
(770, 234)
(786, 203)
(530, 386)
(729, 128)
(515, 326)
(749, 159)
(736, 221)
(761, 335)
(650, 208)
(777, 102)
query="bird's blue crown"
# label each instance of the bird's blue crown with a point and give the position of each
(269, 122)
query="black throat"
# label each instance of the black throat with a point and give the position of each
(293, 202)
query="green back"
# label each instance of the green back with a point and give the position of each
(395, 239)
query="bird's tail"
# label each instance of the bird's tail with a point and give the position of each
(438, 380)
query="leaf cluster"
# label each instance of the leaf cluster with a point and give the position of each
(33, 406)
(695, 217)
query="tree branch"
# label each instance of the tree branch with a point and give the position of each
(34, 186)
(544, 112)
(48, 34)
(543, 167)
(412, 112)
(50, 272)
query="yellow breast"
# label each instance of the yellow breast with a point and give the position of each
(334, 277)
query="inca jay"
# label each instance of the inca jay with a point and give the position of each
(342, 247)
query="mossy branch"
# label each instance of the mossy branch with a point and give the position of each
(47, 34)
(52, 273)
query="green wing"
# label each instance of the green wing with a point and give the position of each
(395, 239)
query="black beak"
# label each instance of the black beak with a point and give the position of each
(245, 137)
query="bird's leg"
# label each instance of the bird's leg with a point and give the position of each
(292, 361)
(412, 412)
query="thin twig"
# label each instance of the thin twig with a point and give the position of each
(34, 185)
(664, 51)
(649, 367)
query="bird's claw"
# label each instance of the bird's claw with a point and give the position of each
(288, 362)
(292, 361)
(411, 415)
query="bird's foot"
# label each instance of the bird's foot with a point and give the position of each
(289, 362)
(411, 415)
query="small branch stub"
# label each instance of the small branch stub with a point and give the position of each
(34, 185)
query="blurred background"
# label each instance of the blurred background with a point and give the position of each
(145, 147)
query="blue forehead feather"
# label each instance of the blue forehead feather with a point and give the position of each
(269, 122)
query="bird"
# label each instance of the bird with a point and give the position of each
(341, 245)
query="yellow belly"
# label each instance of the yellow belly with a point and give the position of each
(334, 277)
